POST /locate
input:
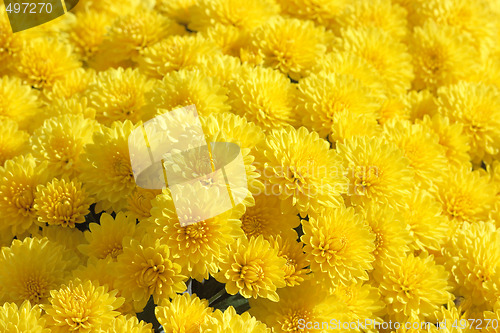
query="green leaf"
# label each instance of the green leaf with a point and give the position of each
(239, 303)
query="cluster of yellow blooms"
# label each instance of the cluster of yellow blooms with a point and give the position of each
(370, 133)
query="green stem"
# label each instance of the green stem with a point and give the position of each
(216, 296)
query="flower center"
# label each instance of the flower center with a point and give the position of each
(23, 199)
(149, 275)
(36, 289)
(252, 225)
(253, 272)
(290, 322)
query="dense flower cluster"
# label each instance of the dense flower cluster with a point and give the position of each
(370, 136)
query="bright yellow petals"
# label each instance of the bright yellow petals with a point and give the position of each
(106, 168)
(413, 285)
(322, 97)
(267, 219)
(379, 14)
(475, 106)
(32, 268)
(106, 238)
(252, 268)
(25, 318)
(81, 307)
(62, 203)
(296, 260)
(290, 45)
(18, 101)
(60, 141)
(473, 257)
(230, 321)
(243, 14)
(184, 313)
(315, 305)
(88, 32)
(441, 56)
(146, 268)
(298, 166)
(338, 244)
(200, 245)
(422, 149)
(388, 56)
(175, 53)
(119, 95)
(43, 61)
(13, 141)
(184, 88)
(264, 97)
(377, 171)
(19, 178)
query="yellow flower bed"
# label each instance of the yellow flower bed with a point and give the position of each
(370, 137)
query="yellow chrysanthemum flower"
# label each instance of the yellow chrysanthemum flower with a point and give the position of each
(129, 324)
(228, 127)
(296, 261)
(18, 101)
(103, 271)
(421, 147)
(228, 38)
(139, 203)
(267, 219)
(323, 12)
(13, 141)
(179, 10)
(379, 14)
(146, 268)
(60, 141)
(184, 88)
(298, 166)
(389, 57)
(290, 45)
(106, 169)
(198, 246)
(231, 322)
(338, 244)
(393, 107)
(474, 19)
(105, 239)
(321, 96)
(184, 313)
(441, 56)
(363, 303)
(88, 32)
(465, 195)
(473, 258)
(32, 268)
(71, 86)
(245, 15)
(25, 318)
(71, 106)
(264, 97)
(455, 320)
(413, 285)
(70, 238)
(391, 233)
(347, 63)
(475, 106)
(19, 178)
(130, 34)
(62, 203)
(81, 307)
(252, 268)
(175, 53)
(10, 43)
(222, 67)
(42, 61)
(297, 306)
(491, 318)
(428, 228)
(421, 103)
(451, 137)
(377, 171)
(347, 125)
(120, 94)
